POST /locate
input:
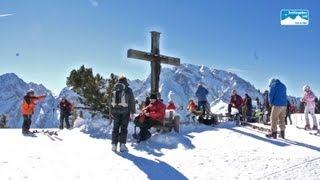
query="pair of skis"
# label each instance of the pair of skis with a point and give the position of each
(50, 133)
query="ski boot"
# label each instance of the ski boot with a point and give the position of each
(307, 127)
(315, 127)
(272, 135)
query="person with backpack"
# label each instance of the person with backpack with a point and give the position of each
(65, 111)
(278, 102)
(308, 100)
(153, 115)
(201, 94)
(122, 109)
(27, 109)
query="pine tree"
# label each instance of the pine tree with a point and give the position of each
(89, 86)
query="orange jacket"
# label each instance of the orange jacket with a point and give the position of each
(28, 104)
(192, 106)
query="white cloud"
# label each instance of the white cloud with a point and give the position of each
(94, 3)
(5, 15)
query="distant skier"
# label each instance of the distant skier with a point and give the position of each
(288, 114)
(309, 103)
(247, 104)
(171, 106)
(201, 94)
(266, 107)
(278, 102)
(65, 111)
(27, 109)
(191, 106)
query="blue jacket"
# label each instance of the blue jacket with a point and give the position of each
(202, 93)
(278, 93)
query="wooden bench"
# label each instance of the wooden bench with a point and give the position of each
(170, 122)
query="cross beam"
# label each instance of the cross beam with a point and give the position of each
(155, 59)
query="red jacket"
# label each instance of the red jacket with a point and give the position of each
(236, 101)
(65, 106)
(171, 106)
(156, 111)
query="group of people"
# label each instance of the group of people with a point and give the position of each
(123, 109)
(28, 105)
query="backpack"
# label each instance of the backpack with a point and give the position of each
(119, 97)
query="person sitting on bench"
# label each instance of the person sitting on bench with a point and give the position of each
(154, 115)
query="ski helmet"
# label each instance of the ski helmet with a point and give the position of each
(306, 88)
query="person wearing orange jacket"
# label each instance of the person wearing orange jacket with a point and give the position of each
(191, 106)
(154, 115)
(27, 109)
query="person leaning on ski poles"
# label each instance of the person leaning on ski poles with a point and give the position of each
(27, 109)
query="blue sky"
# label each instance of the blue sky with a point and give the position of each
(245, 37)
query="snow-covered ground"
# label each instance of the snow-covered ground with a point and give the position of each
(197, 152)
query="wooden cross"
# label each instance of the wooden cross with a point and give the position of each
(156, 59)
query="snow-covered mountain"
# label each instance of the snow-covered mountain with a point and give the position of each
(180, 84)
(176, 83)
(13, 89)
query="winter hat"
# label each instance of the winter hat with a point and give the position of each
(30, 91)
(271, 80)
(153, 96)
(306, 88)
(123, 79)
(265, 92)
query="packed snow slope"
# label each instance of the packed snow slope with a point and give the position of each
(197, 152)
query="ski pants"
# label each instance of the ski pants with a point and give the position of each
(144, 128)
(65, 117)
(120, 127)
(278, 115)
(204, 106)
(310, 110)
(26, 122)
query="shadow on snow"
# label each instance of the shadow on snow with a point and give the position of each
(154, 169)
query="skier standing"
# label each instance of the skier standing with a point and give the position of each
(309, 102)
(278, 102)
(122, 108)
(65, 111)
(27, 109)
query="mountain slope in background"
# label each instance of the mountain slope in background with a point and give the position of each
(177, 84)
(13, 89)
(180, 84)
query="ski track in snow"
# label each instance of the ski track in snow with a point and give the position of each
(198, 152)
